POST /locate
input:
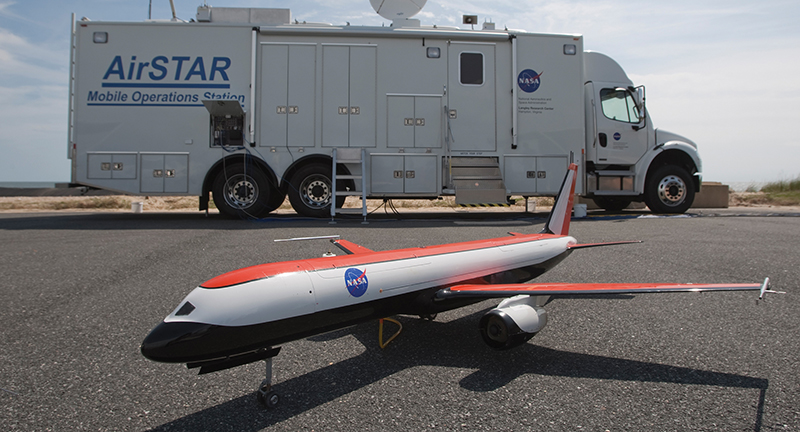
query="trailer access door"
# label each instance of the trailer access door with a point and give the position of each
(287, 94)
(471, 102)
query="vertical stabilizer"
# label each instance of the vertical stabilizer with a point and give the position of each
(558, 221)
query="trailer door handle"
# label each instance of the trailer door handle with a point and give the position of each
(603, 140)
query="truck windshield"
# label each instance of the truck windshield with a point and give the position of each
(619, 105)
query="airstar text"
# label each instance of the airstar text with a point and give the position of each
(178, 67)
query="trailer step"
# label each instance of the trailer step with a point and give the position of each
(349, 156)
(348, 211)
(474, 162)
(481, 197)
(477, 181)
(613, 173)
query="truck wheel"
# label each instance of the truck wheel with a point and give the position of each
(243, 193)
(669, 190)
(311, 191)
(612, 204)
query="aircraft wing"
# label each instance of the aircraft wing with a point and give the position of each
(350, 248)
(561, 289)
(590, 245)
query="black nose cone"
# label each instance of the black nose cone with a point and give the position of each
(176, 342)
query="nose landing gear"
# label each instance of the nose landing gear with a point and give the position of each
(265, 395)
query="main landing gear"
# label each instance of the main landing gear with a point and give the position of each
(265, 395)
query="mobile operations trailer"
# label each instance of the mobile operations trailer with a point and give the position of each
(246, 106)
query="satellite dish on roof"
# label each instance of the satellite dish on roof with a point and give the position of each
(397, 9)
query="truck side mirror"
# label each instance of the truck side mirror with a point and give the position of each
(640, 96)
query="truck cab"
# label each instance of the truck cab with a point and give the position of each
(627, 158)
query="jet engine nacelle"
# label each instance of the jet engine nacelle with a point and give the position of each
(513, 322)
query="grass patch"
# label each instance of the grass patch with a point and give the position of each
(782, 186)
(778, 193)
(783, 192)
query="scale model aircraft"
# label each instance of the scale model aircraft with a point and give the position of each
(245, 315)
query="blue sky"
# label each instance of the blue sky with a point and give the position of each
(722, 73)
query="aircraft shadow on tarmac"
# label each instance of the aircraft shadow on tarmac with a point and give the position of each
(450, 344)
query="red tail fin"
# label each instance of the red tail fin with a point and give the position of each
(558, 222)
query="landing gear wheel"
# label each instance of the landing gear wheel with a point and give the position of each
(612, 204)
(311, 191)
(240, 192)
(266, 396)
(669, 190)
(428, 317)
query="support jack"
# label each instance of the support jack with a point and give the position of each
(383, 344)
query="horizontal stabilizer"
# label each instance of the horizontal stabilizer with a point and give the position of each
(561, 289)
(350, 248)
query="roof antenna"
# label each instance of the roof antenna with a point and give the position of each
(172, 5)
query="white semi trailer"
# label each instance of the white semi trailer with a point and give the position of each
(247, 106)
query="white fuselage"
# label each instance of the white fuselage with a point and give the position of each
(322, 284)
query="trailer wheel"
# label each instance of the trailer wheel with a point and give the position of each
(612, 204)
(240, 192)
(669, 190)
(311, 191)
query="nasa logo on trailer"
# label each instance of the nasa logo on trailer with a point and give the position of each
(617, 136)
(528, 80)
(356, 281)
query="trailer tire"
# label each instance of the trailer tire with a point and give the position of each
(612, 204)
(310, 191)
(240, 192)
(669, 190)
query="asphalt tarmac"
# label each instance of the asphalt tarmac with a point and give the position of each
(80, 291)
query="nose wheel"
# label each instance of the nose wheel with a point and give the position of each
(265, 395)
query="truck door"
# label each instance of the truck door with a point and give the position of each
(471, 96)
(621, 137)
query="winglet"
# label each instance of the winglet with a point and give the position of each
(558, 221)
(765, 290)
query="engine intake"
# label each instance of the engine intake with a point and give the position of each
(512, 323)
